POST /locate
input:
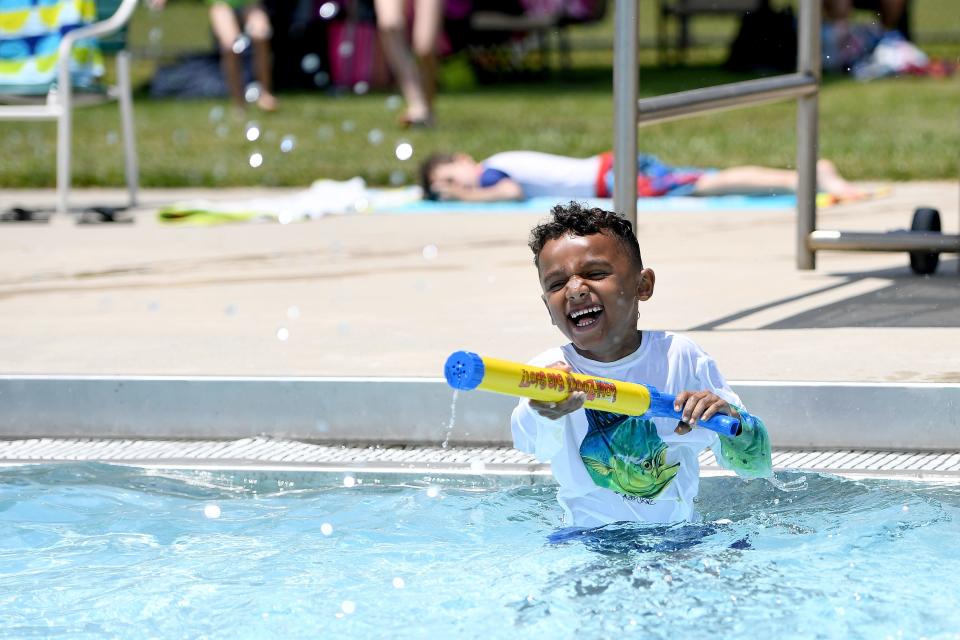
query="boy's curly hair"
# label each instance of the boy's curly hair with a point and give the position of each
(426, 172)
(577, 220)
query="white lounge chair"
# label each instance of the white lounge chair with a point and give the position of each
(59, 100)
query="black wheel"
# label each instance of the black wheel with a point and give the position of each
(925, 262)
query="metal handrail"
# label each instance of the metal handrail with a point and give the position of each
(802, 86)
(890, 241)
(726, 96)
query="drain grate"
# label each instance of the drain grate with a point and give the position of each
(288, 454)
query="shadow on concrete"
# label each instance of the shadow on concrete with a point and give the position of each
(908, 301)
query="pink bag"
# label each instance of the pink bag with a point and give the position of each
(355, 54)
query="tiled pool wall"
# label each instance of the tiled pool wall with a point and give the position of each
(917, 417)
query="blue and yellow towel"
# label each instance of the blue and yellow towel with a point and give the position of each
(30, 34)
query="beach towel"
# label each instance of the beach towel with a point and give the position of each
(30, 34)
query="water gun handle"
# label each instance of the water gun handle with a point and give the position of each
(661, 406)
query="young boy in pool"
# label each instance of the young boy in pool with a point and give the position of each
(612, 467)
(515, 175)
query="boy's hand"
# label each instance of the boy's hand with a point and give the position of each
(699, 405)
(556, 410)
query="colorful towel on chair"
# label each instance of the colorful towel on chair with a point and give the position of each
(30, 34)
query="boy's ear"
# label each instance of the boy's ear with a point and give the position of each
(645, 287)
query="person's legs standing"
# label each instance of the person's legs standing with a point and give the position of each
(427, 23)
(392, 27)
(226, 30)
(257, 26)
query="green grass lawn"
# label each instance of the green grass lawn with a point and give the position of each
(896, 129)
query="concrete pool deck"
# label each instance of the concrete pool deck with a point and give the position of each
(393, 295)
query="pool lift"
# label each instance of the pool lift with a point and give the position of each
(924, 240)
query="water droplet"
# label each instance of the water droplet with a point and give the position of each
(433, 491)
(310, 63)
(345, 50)
(230, 309)
(252, 92)
(398, 583)
(293, 312)
(241, 44)
(216, 114)
(156, 35)
(375, 136)
(905, 508)
(321, 78)
(404, 151)
(287, 144)
(398, 178)
(256, 159)
(328, 10)
(394, 102)
(361, 88)
(348, 126)
(222, 130)
(112, 137)
(211, 511)
(349, 481)
(283, 334)
(430, 252)
(326, 528)
(252, 132)
(153, 306)
(325, 132)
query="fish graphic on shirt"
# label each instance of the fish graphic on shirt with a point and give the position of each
(625, 454)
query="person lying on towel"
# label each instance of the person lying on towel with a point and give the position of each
(517, 175)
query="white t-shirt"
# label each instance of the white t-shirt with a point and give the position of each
(546, 174)
(614, 468)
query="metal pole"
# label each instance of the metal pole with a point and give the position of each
(626, 75)
(808, 62)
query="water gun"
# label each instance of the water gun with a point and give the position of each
(465, 370)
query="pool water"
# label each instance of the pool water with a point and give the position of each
(104, 551)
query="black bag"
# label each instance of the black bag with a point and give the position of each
(766, 41)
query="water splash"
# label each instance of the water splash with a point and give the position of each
(800, 484)
(453, 419)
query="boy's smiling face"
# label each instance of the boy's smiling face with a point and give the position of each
(592, 287)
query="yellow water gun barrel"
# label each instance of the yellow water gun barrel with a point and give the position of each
(466, 371)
